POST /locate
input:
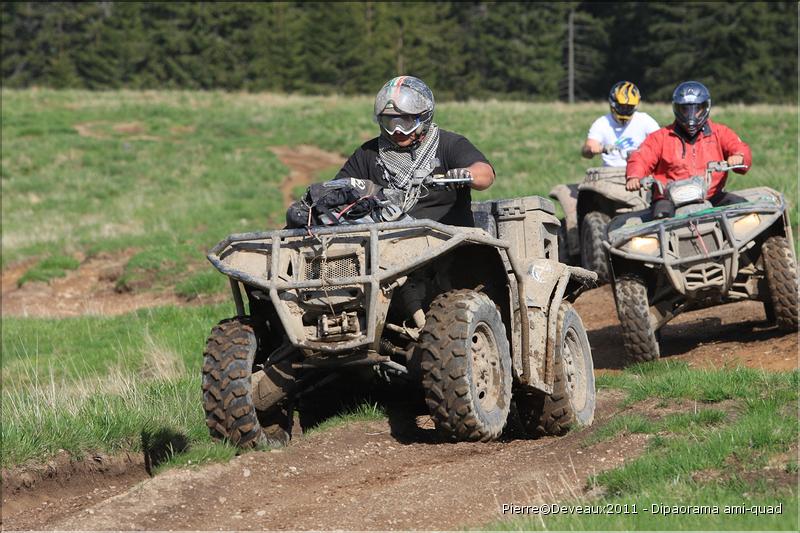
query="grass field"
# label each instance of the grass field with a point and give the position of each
(169, 174)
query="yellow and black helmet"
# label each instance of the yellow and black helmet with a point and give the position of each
(624, 98)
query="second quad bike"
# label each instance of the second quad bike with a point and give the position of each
(588, 207)
(700, 257)
(469, 318)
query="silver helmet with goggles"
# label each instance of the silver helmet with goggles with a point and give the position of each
(404, 104)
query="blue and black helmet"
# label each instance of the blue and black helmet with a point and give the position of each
(691, 104)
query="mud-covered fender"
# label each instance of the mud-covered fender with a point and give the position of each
(567, 196)
(547, 283)
(606, 186)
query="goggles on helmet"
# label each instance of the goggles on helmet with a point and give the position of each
(405, 124)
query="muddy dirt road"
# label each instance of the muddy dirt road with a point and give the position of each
(376, 476)
(363, 476)
(355, 477)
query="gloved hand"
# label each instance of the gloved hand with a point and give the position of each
(610, 148)
(458, 173)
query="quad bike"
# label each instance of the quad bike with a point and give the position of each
(701, 257)
(588, 207)
(470, 319)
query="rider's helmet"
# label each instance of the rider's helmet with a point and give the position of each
(691, 103)
(624, 99)
(404, 104)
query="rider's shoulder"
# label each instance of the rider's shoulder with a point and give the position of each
(716, 127)
(369, 146)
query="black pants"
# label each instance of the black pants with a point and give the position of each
(665, 209)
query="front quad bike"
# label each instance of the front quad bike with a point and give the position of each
(588, 207)
(467, 319)
(701, 257)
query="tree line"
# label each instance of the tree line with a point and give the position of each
(744, 51)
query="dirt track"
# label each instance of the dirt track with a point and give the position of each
(356, 477)
(366, 475)
(371, 476)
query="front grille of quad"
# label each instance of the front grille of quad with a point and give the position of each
(333, 268)
(704, 276)
(688, 247)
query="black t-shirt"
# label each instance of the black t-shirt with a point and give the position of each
(449, 207)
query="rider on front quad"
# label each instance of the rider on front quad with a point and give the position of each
(409, 142)
(472, 319)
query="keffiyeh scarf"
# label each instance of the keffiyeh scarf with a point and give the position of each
(399, 165)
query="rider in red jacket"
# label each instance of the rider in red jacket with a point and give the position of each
(685, 147)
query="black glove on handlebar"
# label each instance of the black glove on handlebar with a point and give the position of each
(458, 173)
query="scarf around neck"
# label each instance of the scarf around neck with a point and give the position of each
(399, 165)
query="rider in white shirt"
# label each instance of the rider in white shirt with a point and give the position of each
(621, 131)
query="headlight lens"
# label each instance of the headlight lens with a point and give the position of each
(745, 225)
(644, 245)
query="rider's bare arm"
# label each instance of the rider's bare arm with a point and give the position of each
(591, 148)
(482, 175)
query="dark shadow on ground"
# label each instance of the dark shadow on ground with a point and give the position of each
(678, 339)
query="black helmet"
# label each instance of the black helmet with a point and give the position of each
(691, 103)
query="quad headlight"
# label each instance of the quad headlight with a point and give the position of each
(647, 245)
(743, 226)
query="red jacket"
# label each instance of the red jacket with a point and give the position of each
(666, 156)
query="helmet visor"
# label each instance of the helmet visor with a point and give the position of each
(405, 124)
(691, 113)
(626, 110)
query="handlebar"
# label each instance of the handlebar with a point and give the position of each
(713, 166)
(722, 166)
(441, 180)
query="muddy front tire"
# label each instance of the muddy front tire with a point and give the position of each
(593, 254)
(227, 391)
(781, 270)
(573, 400)
(466, 366)
(633, 309)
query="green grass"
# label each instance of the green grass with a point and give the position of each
(364, 412)
(170, 173)
(733, 451)
(49, 268)
(171, 169)
(36, 350)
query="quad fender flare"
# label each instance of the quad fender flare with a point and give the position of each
(567, 196)
(545, 284)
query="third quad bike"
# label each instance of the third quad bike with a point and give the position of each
(472, 319)
(700, 257)
(588, 207)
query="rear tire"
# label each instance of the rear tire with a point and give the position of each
(466, 366)
(573, 400)
(563, 244)
(633, 310)
(593, 254)
(781, 270)
(227, 392)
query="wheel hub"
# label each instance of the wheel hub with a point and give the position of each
(574, 362)
(486, 375)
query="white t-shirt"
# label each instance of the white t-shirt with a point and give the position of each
(606, 130)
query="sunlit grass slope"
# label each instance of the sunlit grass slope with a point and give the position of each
(85, 171)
